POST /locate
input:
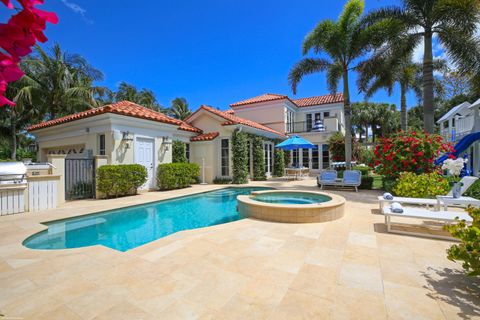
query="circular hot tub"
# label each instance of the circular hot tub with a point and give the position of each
(291, 206)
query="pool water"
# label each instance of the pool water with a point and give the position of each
(127, 228)
(291, 198)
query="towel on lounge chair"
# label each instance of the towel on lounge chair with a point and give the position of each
(396, 207)
(387, 196)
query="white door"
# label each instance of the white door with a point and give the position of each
(144, 156)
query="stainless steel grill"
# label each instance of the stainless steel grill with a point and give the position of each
(12, 173)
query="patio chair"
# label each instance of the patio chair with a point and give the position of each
(327, 178)
(467, 182)
(423, 214)
(352, 178)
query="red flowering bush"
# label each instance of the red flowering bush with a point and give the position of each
(17, 37)
(409, 152)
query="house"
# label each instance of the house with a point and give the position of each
(314, 118)
(126, 132)
(459, 122)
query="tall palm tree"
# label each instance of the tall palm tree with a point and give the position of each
(344, 42)
(180, 108)
(59, 82)
(452, 22)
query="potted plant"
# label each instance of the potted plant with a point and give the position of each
(454, 167)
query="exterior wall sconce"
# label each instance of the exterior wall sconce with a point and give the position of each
(127, 137)
(166, 143)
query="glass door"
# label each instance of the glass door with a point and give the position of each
(268, 155)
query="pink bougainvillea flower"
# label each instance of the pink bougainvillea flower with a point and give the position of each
(7, 3)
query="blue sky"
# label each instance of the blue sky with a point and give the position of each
(212, 52)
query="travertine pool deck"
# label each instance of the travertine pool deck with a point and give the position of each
(248, 269)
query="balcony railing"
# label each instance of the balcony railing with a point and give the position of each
(330, 125)
(463, 126)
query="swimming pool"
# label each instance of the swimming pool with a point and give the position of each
(127, 228)
(291, 197)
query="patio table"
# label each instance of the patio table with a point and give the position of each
(298, 172)
(462, 201)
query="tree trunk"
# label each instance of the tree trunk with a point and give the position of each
(403, 107)
(348, 122)
(428, 107)
(13, 134)
(366, 133)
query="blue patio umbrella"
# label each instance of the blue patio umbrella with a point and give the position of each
(295, 142)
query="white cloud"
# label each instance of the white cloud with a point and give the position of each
(77, 9)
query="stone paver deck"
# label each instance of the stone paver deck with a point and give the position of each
(248, 269)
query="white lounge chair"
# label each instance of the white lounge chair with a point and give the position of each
(447, 217)
(467, 182)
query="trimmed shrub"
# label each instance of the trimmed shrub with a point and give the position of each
(474, 190)
(363, 169)
(427, 185)
(222, 180)
(336, 147)
(279, 163)
(240, 157)
(258, 159)
(468, 250)
(177, 175)
(179, 152)
(367, 183)
(388, 184)
(120, 180)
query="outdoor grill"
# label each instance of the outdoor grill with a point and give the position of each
(12, 173)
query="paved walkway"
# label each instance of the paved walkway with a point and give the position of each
(248, 269)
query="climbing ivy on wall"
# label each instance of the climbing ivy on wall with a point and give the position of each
(258, 159)
(179, 152)
(278, 163)
(240, 157)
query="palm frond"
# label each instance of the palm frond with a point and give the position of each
(305, 67)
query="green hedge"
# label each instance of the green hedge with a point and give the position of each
(240, 157)
(222, 180)
(179, 152)
(177, 175)
(474, 190)
(258, 159)
(363, 169)
(120, 180)
(279, 163)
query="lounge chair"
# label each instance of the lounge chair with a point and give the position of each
(423, 214)
(467, 182)
(327, 178)
(351, 178)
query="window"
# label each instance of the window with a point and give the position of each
(309, 122)
(225, 157)
(295, 162)
(187, 151)
(289, 121)
(268, 157)
(101, 144)
(326, 114)
(315, 159)
(306, 158)
(325, 156)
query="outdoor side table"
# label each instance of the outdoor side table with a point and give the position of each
(462, 201)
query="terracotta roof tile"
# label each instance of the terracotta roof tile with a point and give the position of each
(125, 108)
(232, 120)
(229, 111)
(262, 98)
(318, 100)
(209, 136)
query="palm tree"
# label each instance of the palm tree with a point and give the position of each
(59, 82)
(180, 109)
(144, 97)
(452, 22)
(344, 41)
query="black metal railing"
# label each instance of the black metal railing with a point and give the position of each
(79, 179)
(309, 126)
